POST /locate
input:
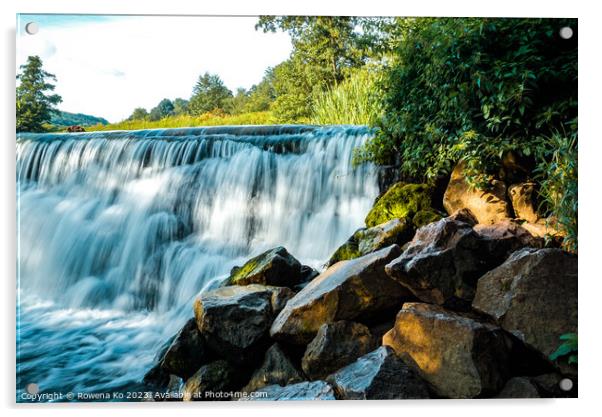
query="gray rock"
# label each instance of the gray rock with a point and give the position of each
(187, 352)
(209, 382)
(336, 345)
(457, 355)
(275, 369)
(274, 267)
(519, 387)
(345, 291)
(303, 391)
(379, 375)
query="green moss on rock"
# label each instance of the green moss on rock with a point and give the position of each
(424, 217)
(401, 200)
(274, 267)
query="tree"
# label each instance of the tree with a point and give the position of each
(139, 113)
(34, 105)
(239, 103)
(163, 109)
(208, 94)
(180, 106)
(262, 95)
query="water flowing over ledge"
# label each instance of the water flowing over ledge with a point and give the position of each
(118, 231)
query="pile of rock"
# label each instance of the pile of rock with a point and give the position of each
(466, 306)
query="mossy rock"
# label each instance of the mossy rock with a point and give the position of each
(365, 241)
(401, 200)
(274, 267)
(424, 217)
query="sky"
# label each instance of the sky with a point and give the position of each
(108, 65)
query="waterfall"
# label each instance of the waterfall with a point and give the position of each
(118, 231)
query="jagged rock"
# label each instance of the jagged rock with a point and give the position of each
(280, 296)
(459, 356)
(506, 237)
(488, 206)
(303, 391)
(522, 197)
(401, 200)
(546, 228)
(274, 267)
(532, 295)
(519, 387)
(345, 291)
(364, 241)
(443, 262)
(235, 320)
(276, 369)
(187, 352)
(209, 380)
(379, 375)
(336, 345)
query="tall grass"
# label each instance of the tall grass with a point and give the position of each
(207, 119)
(354, 101)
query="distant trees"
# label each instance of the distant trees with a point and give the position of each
(165, 108)
(35, 105)
(139, 113)
(208, 94)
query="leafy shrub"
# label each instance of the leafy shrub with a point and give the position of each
(568, 349)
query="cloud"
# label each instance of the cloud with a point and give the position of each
(107, 67)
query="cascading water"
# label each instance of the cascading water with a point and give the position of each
(118, 231)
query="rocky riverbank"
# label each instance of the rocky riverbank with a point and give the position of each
(471, 303)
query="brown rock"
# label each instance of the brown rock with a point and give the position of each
(276, 369)
(345, 291)
(522, 197)
(209, 381)
(532, 295)
(488, 206)
(187, 352)
(459, 356)
(336, 345)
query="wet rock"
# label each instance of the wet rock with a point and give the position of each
(187, 352)
(274, 267)
(336, 345)
(364, 241)
(235, 320)
(379, 375)
(345, 291)
(209, 381)
(443, 262)
(532, 295)
(276, 369)
(522, 197)
(280, 296)
(401, 200)
(488, 206)
(519, 387)
(303, 391)
(459, 356)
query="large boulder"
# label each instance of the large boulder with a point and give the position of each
(378, 375)
(459, 356)
(345, 291)
(443, 262)
(522, 197)
(489, 206)
(235, 320)
(303, 391)
(503, 238)
(532, 295)
(187, 352)
(336, 345)
(209, 381)
(274, 267)
(276, 369)
(364, 241)
(401, 200)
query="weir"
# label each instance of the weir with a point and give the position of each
(118, 231)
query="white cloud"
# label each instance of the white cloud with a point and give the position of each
(110, 66)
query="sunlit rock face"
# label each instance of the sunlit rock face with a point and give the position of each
(119, 231)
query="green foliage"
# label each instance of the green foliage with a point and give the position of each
(165, 108)
(354, 101)
(63, 118)
(209, 94)
(207, 119)
(401, 200)
(139, 113)
(35, 105)
(557, 172)
(471, 89)
(180, 106)
(567, 350)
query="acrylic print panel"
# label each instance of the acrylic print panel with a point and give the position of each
(295, 208)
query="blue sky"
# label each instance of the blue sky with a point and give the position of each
(108, 65)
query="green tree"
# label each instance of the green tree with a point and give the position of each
(180, 106)
(208, 94)
(139, 113)
(262, 95)
(34, 105)
(237, 104)
(165, 108)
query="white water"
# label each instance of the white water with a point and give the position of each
(118, 231)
